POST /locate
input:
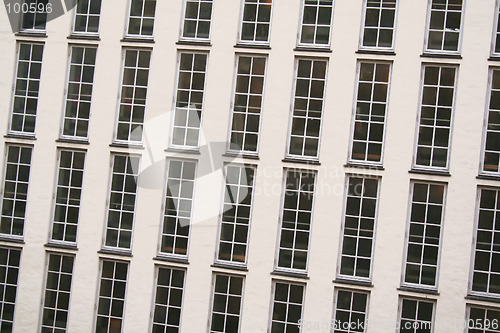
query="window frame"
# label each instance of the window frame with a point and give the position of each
(212, 296)
(274, 282)
(407, 235)
(300, 26)
(351, 290)
(183, 20)
(363, 26)
(88, 14)
(127, 23)
(427, 50)
(402, 297)
(2, 284)
(33, 29)
(240, 41)
(468, 308)
(414, 165)
(233, 101)
(354, 111)
(496, 31)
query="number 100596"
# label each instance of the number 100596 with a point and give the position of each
(32, 8)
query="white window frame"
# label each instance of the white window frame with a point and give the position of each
(363, 26)
(335, 307)
(174, 106)
(273, 293)
(469, 321)
(417, 299)
(2, 284)
(342, 228)
(316, 25)
(427, 31)
(45, 11)
(407, 235)
(163, 207)
(233, 101)
(415, 166)
(354, 111)
(183, 21)
(212, 298)
(292, 110)
(496, 31)
(240, 26)
(87, 14)
(71, 48)
(127, 25)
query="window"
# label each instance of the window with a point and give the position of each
(27, 85)
(227, 302)
(68, 194)
(9, 272)
(111, 300)
(79, 95)
(15, 190)
(57, 293)
(168, 300)
(288, 302)
(87, 15)
(178, 207)
(483, 320)
(351, 308)
(370, 113)
(133, 96)
(486, 270)
(359, 227)
(416, 316)
(424, 234)
(247, 104)
(379, 24)
(256, 21)
(436, 117)
(316, 23)
(141, 18)
(197, 19)
(491, 157)
(496, 36)
(189, 100)
(122, 202)
(296, 218)
(444, 26)
(235, 217)
(305, 130)
(35, 17)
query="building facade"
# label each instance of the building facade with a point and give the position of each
(250, 166)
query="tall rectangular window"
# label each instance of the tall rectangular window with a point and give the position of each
(169, 292)
(87, 15)
(483, 320)
(189, 101)
(35, 14)
(197, 20)
(435, 117)
(416, 316)
(57, 293)
(111, 299)
(424, 234)
(370, 112)
(256, 21)
(359, 227)
(296, 218)
(15, 190)
(236, 212)
(491, 154)
(79, 92)
(444, 26)
(316, 23)
(9, 272)
(122, 198)
(227, 303)
(310, 81)
(141, 18)
(178, 207)
(68, 195)
(486, 269)
(496, 36)
(288, 302)
(247, 103)
(379, 24)
(27, 86)
(351, 308)
(133, 95)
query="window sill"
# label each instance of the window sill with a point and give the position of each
(242, 155)
(185, 151)
(299, 160)
(488, 177)
(5, 238)
(172, 259)
(353, 282)
(39, 34)
(252, 46)
(483, 298)
(84, 37)
(20, 136)
(194, 42)
(290, 274)
(430, 172)
(80, 142)
(376, 51)
(363, 166)
(61, 246)
(419, 290)
(229, 266)
(126, 145)
(121, 253)
(494, 58)
(313, 49)
(148, 40)
(440, 55)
